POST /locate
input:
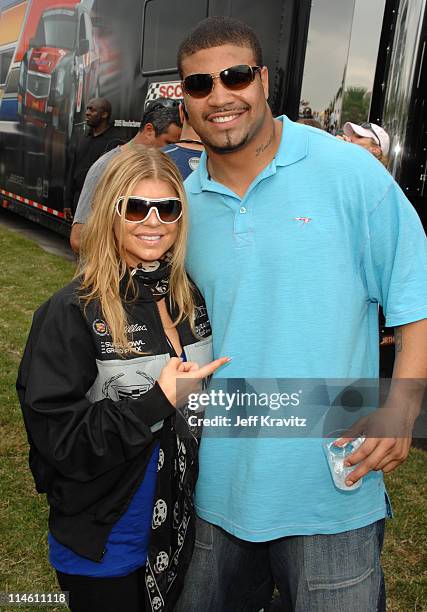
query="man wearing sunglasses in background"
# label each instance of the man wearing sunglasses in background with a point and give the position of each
(160, 126)
(370, 136)
(289, 229)
(186, 151)
(160, 123)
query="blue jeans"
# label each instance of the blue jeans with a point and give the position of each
(320, 573)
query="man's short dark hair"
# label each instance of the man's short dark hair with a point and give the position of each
(105, 105)
(217, 31)
(161, 115)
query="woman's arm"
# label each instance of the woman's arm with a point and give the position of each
(78, 438)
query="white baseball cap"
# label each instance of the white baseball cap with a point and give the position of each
(369, 130)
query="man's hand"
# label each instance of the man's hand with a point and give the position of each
(68, 214)
(387, 432)
(377, 454)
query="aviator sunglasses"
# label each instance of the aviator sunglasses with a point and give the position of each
(368, 126)
(168, 210)
(234, 78)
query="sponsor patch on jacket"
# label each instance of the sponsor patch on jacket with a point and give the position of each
(202, 325)
(100, 327)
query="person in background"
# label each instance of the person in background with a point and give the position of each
(374, 139)
(86, 149)
(98, 390)
(160, 125)
(187, 150)
(307, 113)
(295, 238)
(370, 136)
(311, 122)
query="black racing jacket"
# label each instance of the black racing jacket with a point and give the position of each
(92, 416)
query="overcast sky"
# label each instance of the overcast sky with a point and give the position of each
(331, 23)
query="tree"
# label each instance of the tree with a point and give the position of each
(355, 106)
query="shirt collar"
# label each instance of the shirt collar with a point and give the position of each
(293, 148)
(90, 133)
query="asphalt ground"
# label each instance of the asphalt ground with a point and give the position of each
(47, 239)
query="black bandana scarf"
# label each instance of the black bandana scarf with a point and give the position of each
(155, 276)
(173, 523)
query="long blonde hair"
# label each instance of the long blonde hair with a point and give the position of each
(103, 266)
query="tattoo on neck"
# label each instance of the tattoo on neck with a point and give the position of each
(398, 340)
(265, 146)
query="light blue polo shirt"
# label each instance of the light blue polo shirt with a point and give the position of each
(292, 275)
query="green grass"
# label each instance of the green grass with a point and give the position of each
(29, 276)
(404, 557)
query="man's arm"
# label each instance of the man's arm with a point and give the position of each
(76, 231)
(402, 406)
(84, 205)
(411, 350)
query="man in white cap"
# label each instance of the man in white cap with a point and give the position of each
(370, 136)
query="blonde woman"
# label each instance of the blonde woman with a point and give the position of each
(98, 390)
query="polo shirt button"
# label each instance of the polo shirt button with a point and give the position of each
(243, 210)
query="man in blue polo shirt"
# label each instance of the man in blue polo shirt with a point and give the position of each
(295, 238)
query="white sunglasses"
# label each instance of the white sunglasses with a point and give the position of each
(138, 209)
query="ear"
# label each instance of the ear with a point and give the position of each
(181, 113)
(264, 80)
(149, 132)
(375, 150)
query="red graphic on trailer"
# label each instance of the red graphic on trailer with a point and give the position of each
(59, 63)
